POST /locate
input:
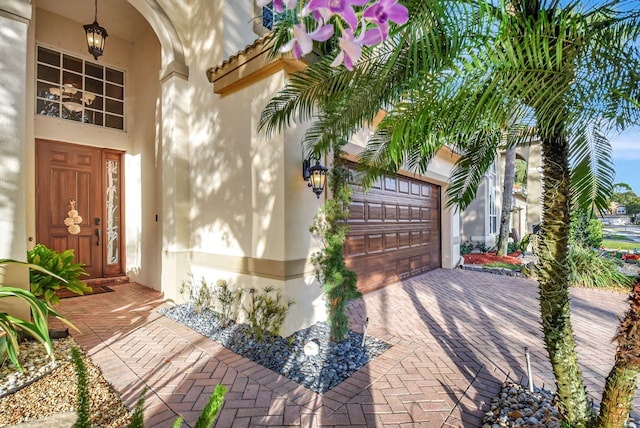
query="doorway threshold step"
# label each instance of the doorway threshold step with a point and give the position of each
(107, 281)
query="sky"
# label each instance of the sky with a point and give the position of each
(626, 157)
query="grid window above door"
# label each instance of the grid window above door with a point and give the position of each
(71, 88)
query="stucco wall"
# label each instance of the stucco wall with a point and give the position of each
(238, 17)
(142, 170)
(249, 209)
(14, 19)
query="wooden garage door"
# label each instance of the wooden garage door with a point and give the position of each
(394, 231)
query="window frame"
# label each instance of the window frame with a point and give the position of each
(492, 209)
(71, 83)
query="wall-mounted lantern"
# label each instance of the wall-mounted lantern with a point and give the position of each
(316, 174)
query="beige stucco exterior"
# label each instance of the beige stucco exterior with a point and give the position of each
(14, 21)
(206, 193)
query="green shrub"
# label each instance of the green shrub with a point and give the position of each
(524, 244)
(200, 296)
(513, 247)
(588, 269)
(482, 247)
(228, 300)
(586, 229)
(205, 420)
(466, 247)
(61, 264)
(266, 313)
(38, 328)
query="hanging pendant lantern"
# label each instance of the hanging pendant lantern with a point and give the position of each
(95, 36)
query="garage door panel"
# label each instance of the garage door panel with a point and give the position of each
(375, 244)
(356, 212)
(391, 241)
(403, 186)
(404, 213)
(390, 184)
(390, 212)
(415, 238)
(355, 246)
(404, 239)
(403, 266)
(374, 212)
(394, 231)
(416, 263)
(415, 188)
(415, 213)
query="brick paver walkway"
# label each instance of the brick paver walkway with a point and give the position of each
(456, 334)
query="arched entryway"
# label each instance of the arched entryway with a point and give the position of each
(144, 45)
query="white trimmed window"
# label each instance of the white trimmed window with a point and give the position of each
(71, 88)
(492, 211)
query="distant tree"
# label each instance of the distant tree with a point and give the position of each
(624, 195)
(586, 229)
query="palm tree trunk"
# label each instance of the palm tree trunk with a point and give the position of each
(552, 250)
(507, 195)
(617, 396)
(622, 381)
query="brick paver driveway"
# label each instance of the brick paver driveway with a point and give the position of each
(456, 334)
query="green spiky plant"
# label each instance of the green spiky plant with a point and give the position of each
(37, 327)
(588, 269)
(83, 410)
(266, 312)
(228, 300)
(59, 263)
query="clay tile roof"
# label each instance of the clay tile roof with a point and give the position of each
(258, 46)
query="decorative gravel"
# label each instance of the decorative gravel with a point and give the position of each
(494, 270)
(46, 389)
(333, 363)
(516, 406)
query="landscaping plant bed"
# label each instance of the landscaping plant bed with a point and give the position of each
(333, 363)
(486, 258)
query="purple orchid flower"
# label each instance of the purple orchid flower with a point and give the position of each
(351, 48)
(342, 8)
(278, 5)
(302, 42)
(383, 11)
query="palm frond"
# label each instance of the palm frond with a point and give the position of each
(471, 167)
(592, 168)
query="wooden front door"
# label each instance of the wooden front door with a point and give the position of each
(76, 207)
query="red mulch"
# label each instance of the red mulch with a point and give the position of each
(484, 258)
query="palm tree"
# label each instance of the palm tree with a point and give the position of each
(507, 196)
(460, 73)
